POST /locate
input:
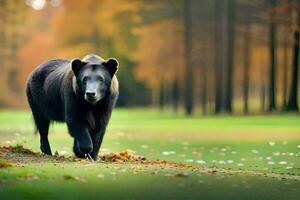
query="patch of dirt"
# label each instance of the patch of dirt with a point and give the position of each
(20, 154)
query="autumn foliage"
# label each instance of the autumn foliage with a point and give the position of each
(171, 53)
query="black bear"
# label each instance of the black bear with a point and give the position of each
(81, 93)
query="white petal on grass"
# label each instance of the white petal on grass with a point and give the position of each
(289, 167)
(268, 158)
(166, 153)
(230, 161)
(233, 152)
(144, 146)
(222, 162)
(298, 146)
(223, 149)
(276, 153)
(189, 160)
(282, 163)
(271, 143)
(271, 163)
(291, 154)
(63, 152)
(200, 162)
(240, 164)
(254, 151)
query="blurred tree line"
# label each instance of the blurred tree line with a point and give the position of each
(208, 56)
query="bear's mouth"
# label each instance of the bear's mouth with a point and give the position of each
(90, 99)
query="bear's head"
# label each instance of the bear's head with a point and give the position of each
(94, 79)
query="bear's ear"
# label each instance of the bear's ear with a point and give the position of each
(77, 65)
(112, 66)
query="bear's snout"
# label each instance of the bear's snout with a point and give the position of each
(91, 95)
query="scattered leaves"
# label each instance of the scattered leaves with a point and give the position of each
(124, 156)
(4, 164)
(17, 149)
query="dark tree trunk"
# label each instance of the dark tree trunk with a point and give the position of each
(204, 90)
(175, 95)
(293, 98)
(246, 74)
(272, 81)
(189, 79)
(161, 98)
(285, 71)
(230, 55)
(263, 97)
(285, 58)
(218, 57)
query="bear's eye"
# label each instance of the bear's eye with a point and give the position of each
(99, 78)
(84, 80)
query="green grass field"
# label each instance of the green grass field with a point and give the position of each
(231, 157)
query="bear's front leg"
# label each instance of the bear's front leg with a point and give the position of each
(76, 150)
(82, 139)
(97, 141)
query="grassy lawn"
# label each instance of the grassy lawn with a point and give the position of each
(230, 157)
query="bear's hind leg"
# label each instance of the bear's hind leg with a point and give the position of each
(42, 125)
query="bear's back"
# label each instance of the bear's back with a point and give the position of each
(45, 84)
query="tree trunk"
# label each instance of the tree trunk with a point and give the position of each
(263, 97)
(161, 96)
(293, 99)
(285, 71)
(175, 95)
(272, 81)
(230, 55)
(218, 57)
(204, 89)
(189, 79)
(246, 73)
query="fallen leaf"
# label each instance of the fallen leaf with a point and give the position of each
(4, 164)
(184, 175)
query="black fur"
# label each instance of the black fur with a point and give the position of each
(57, 91)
